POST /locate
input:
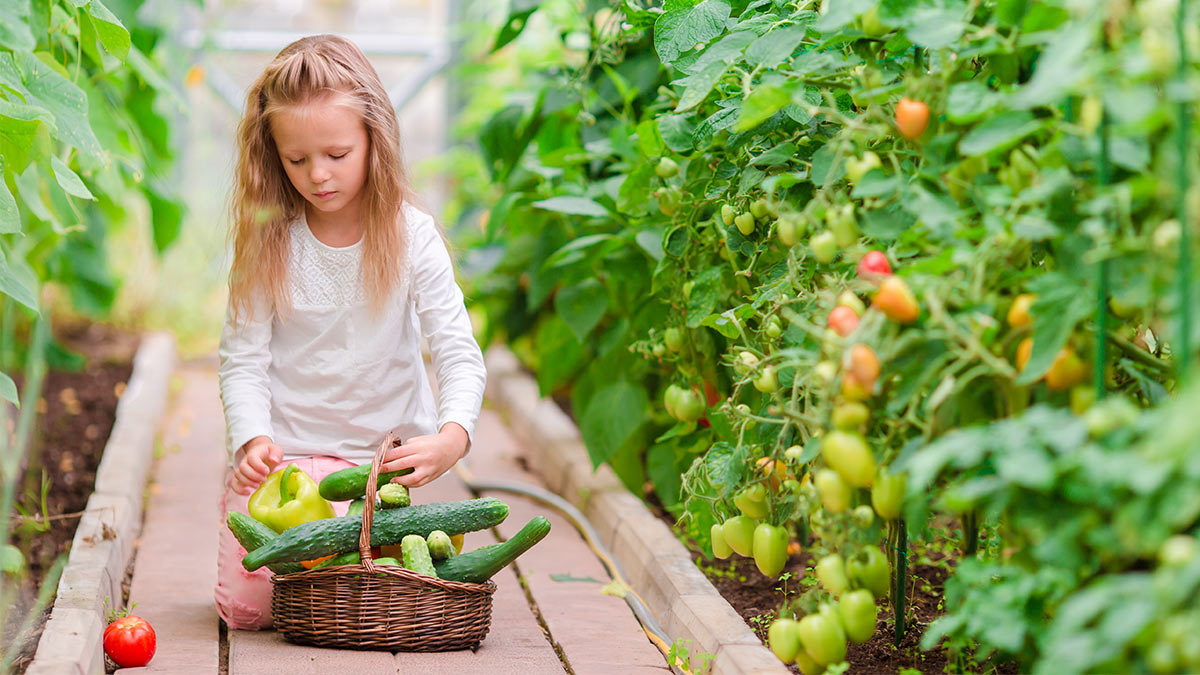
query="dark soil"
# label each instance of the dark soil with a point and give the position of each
(75, 416)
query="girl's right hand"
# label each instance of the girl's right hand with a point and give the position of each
(259, 456)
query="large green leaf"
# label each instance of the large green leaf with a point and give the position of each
(697, 85)
(681, 28)
(166, 217)
(582, 306)
(68, 179)
(613, 414)
(999, 133)
(19, 283)
(43, 86)
(577, 206)
(775, 47)
(555, 337)
(14, 26)
(10, 216)
(113, 34)
(25, 132)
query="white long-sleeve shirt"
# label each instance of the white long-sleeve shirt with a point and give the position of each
(333, 380)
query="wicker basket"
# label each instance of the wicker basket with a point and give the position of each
(385, 607)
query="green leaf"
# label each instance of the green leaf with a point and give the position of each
(840, 13)
(698, 85)
(676, 132)
(10, 216)
(582, 306)
(679, 29)
(67, 102)
(824, 171)
(1066, 61)
(68, 179)
(764, 101)
(707, 289)
(722, 323)
(518, 17)
(166, 217)
(876, 184)
(613, 414)
(20, 128)
(1060, 305)
(650, 142)
(777, 155)
(726, 50)
(935, 28)
(113, 34)
(14, 27)
(999, 133)
(19, 284)
(577, 206)
(8, 390)
(555, 337)
(968, 101)
(633, 198)
(776, 46)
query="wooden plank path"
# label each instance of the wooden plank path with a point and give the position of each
(541, 626)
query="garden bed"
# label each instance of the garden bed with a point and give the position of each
(75, 417)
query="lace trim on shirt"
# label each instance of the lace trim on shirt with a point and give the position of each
(321, 276)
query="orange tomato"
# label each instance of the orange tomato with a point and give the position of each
(1067, 370)
(1024, 351)
(1018, 315)
(896, 300)
(912, 118)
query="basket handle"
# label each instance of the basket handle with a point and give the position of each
(364, 537)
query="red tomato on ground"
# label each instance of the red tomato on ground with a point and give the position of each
(129, 641)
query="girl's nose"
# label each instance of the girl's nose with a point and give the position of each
(319, 175)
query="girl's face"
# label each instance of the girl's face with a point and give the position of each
(323, 147)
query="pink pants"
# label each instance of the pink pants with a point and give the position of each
(244, 598)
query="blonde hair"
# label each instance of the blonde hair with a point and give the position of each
(264, 201)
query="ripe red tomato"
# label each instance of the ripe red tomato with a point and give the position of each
(129, 641)
(896, 300)
(842, 320)
(874, 266)
(912, 117)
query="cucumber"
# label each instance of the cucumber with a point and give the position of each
(394, 495)
(416, 555)
(252, 534)
(334, 535)
(356, 507)
(479, 565)
(440, 546)
(351, 482)
(388, 561)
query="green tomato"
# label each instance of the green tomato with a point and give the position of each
(869, 569)
(862, 516)
(784, 638)
(857, 168)
(845, 227)
(850, 416)
(807, 665)
(745, 223)
(826, 371)
(888, 494)
(848, 454)
(824, 246)
(691, 406)
(831, 572)
(727, 214)
(739, 534)
(720, 547)
(834, 492)
(673, 337)
(667, 168)
(849, 299)
(822, 638)
(768, 381)
(858, 613)
(788, 229)
(774, 328)
(770, 549)
(871, 25)
(752, 501)
(1179, 551)
(758, 208)
(793, 454)
(671, 400)
(659, 350)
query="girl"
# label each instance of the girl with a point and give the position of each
(335, 277)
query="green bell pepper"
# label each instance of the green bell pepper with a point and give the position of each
(288, 498)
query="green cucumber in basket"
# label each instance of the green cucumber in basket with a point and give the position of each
(351, 482)
(334, 535)
(252, 535)
(440, 546)
(416, 555)
(481, 564)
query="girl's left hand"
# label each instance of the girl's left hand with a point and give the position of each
(428, 456)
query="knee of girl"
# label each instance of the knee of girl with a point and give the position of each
(239, 615)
